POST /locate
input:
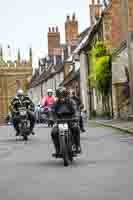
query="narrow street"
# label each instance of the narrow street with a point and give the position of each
(103, 171)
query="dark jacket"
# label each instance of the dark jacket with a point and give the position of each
(64, 109)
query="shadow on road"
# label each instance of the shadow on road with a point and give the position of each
(55, 164)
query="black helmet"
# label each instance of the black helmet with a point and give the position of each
(61, 92)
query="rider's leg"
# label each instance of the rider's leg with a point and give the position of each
(16, 120)
(81, 124)
(55, 139)
(76, 135)
(32, 120)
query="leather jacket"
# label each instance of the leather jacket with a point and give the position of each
(17, 102)
(64, 109)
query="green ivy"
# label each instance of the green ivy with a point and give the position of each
(100, 75)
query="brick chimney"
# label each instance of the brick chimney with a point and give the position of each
(71, 29)
(95, 11)
(130, 15)
(53, 39)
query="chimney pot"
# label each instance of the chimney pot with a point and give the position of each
(93, 1)
(49, 29)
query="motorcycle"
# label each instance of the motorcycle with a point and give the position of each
(46, 116)
(24, 125)
(43, 118)
(66, 140)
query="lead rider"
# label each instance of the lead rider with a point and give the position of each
(64, 108)
(22, 100)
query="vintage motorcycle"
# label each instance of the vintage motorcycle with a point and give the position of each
(66, 140)
(46, 116)
(24, 125)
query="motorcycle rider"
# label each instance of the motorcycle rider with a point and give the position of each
(79, 108)
(22, 100)
(65, 108)
(49, 99)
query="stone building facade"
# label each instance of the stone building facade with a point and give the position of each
(115, 22)
(12, 76)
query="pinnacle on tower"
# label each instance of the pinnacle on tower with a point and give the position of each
(18, 56)
(30, 55)
(68, 17)
(74, 17)
(1, 53)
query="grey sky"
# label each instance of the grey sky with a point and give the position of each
(26, 22)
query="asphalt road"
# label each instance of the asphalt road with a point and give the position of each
(104, 171)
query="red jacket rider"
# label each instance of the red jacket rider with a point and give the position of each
(48, 100)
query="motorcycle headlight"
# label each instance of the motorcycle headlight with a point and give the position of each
(23, 113)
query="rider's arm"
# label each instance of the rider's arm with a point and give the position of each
(12, 106)
(30, 103)
(73, 106)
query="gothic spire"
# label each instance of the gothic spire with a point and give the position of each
(30, 55)
(1, 53)
(18, 56)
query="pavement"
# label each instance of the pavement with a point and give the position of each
(125, 126)
(102, 172)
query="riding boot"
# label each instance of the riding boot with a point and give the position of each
(77, 141)
(81, 123)
(57, 147)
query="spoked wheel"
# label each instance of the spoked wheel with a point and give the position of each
(70, 152)
(25, 137)
(65, 152)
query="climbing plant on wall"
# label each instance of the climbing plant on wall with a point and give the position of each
(100, 74)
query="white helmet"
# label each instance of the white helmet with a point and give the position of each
(20, 92)
(49, 91)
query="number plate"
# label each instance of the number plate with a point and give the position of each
(63, 127)
(23, 113)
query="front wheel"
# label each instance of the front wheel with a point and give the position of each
(25, 137)
(64, 151)
(70, 152)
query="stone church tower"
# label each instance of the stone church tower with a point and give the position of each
(13, 75)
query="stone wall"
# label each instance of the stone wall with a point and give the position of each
(113, 34)
(121, 104)
(9, 76)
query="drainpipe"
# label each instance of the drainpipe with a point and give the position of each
(89, 89)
